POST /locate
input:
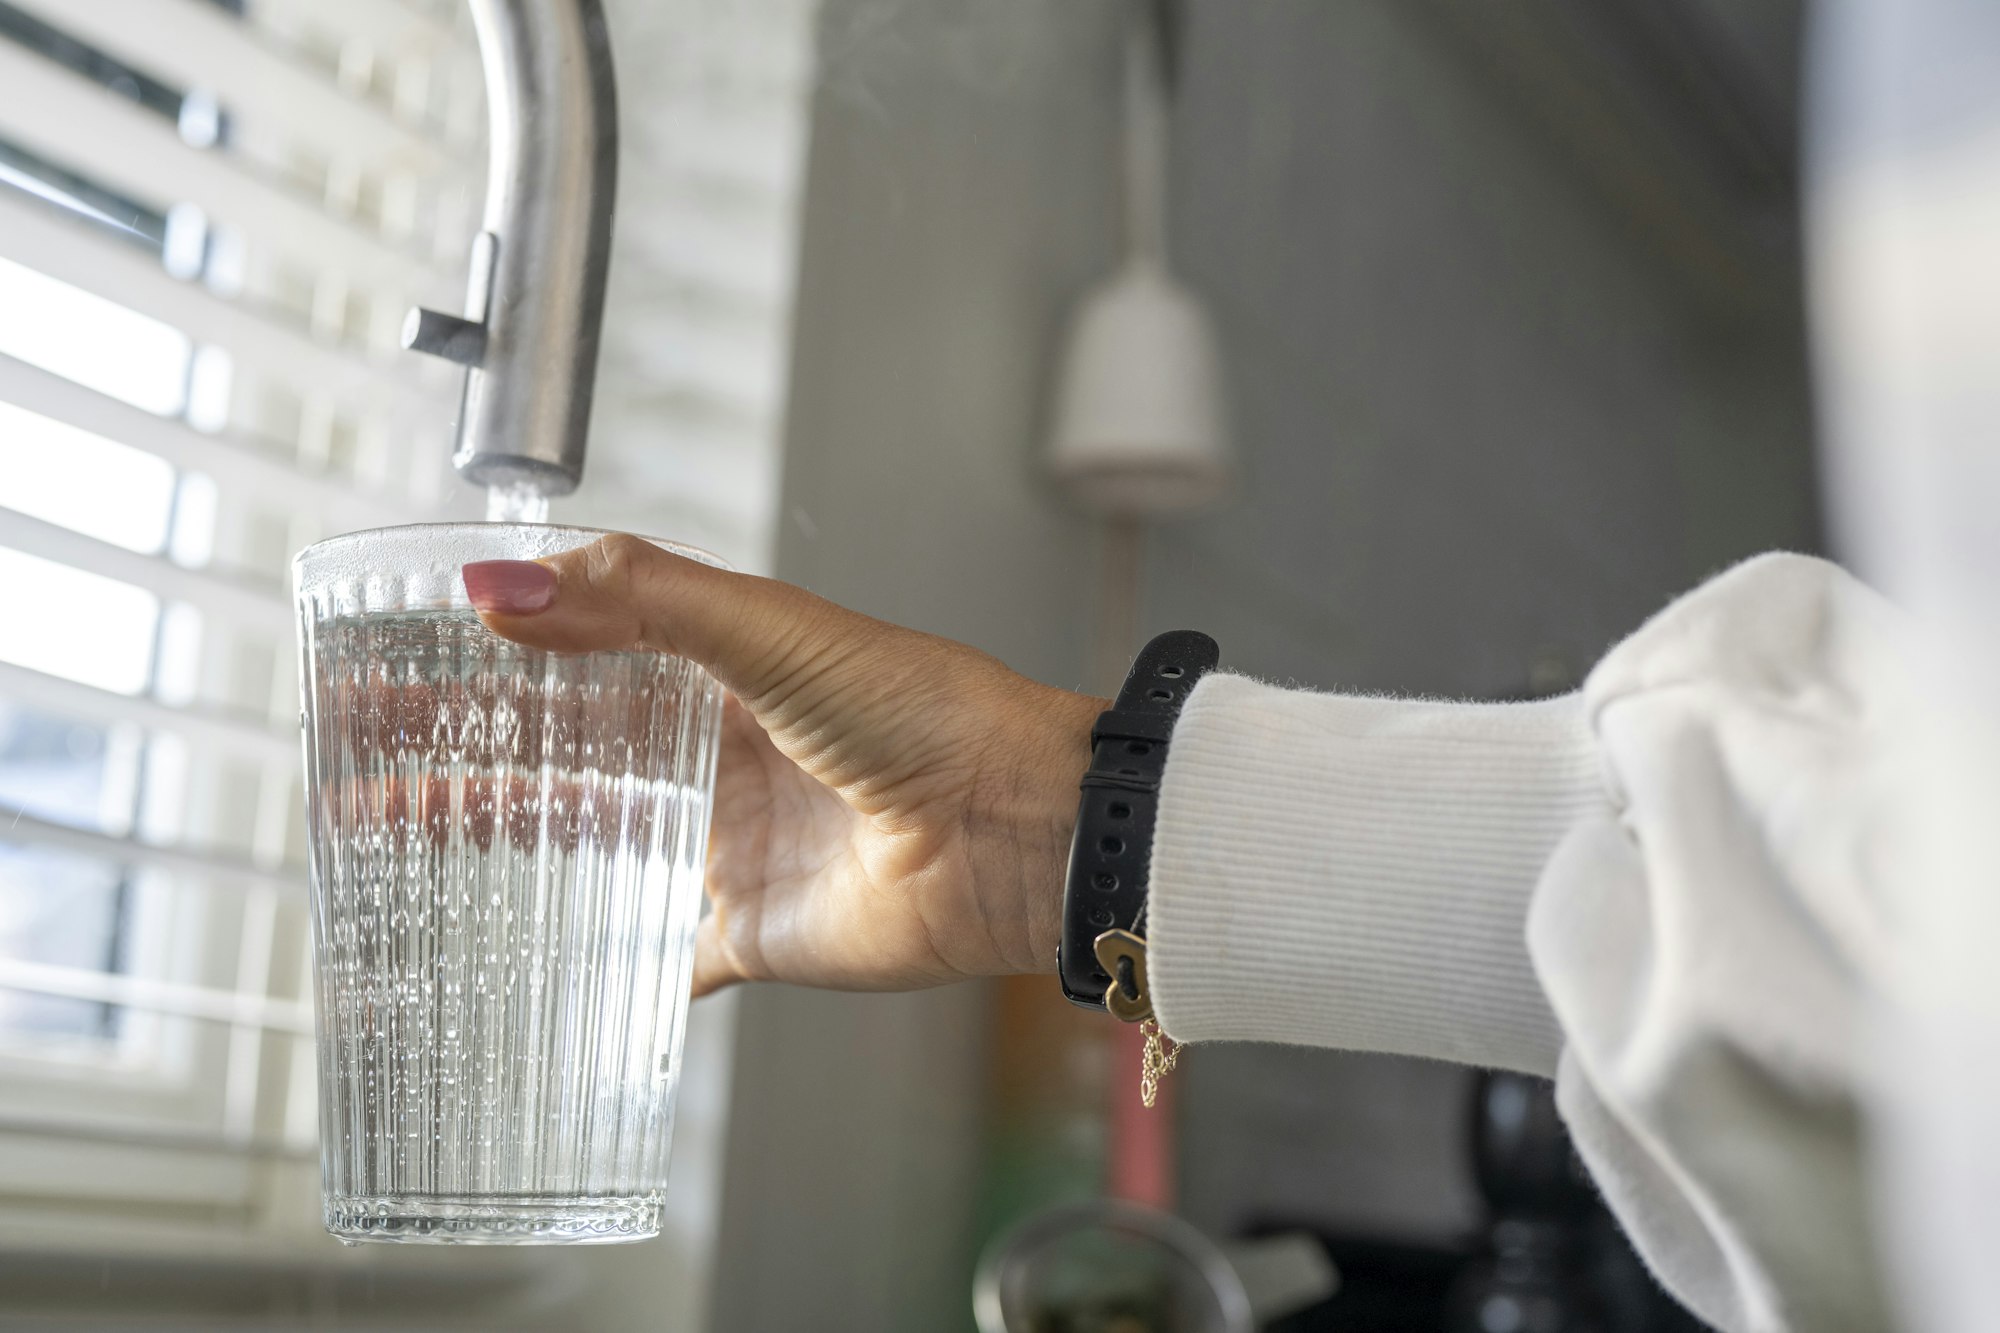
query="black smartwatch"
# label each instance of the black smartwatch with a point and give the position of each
(1102, 956)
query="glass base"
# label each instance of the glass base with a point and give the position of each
(511, 1219)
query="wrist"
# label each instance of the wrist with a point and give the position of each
(1060, 757)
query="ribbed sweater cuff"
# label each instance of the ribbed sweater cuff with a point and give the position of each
(1354, 872)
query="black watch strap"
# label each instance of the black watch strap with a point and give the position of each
(1111, 854)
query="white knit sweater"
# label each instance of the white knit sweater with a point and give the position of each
(1665, 891)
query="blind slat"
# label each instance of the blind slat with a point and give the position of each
(723, 479)
(235, 1008)
(734, 363)
(696, 250)
(750, 156)
(251, 605)
(208, 869)
(238, 468)
(82, 125)
(388, 25)
(199, 45)
(154, 1134)
(241, 736)
(34, 234)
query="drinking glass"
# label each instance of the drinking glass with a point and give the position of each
(506, 856)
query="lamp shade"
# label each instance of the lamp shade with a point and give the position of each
(1139, 423)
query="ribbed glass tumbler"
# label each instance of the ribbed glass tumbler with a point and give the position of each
(506, 852)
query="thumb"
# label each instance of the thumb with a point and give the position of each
(621, 592)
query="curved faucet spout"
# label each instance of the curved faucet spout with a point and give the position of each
(535, 299)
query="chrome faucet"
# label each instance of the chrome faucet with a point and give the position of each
(534, 303)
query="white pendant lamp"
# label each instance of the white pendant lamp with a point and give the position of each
(1138, 425)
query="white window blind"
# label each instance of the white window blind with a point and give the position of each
(213, 214)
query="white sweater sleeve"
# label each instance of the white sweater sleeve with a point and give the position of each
(1663, 891)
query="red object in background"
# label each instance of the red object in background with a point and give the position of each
(1139, 1159)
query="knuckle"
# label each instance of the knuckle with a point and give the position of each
(612, 564)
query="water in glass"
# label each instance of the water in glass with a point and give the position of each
(507, 851)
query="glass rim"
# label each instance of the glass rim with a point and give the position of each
(327, 545)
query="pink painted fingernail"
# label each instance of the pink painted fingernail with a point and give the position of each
(510, 587)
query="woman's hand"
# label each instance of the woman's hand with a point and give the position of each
(893, 809)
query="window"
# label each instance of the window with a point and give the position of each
(213, 214)
(211, 221)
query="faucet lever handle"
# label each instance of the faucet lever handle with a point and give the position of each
(448, 336)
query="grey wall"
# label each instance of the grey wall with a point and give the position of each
(956, 201)
(1484, 420)
(1477, 414)
(1482, 415)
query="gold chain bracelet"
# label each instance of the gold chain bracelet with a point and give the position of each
(1156, 1060)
